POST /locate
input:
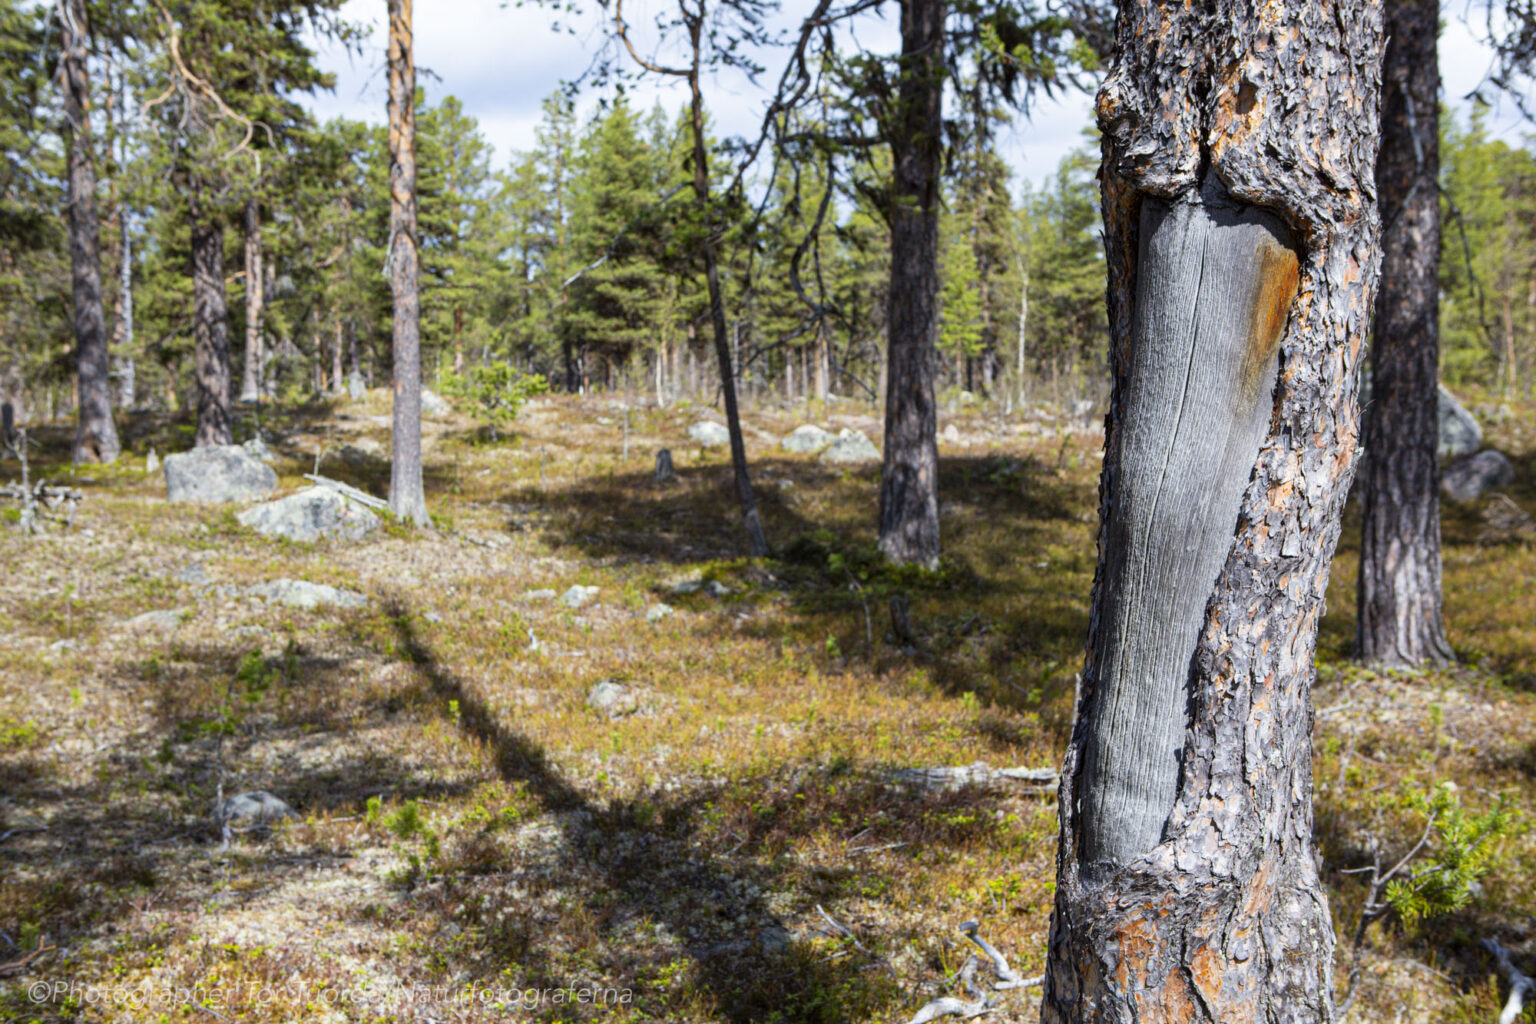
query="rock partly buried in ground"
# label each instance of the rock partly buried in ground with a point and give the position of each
(709, 434)
(258, 449)
(1459, 432)
(433, 405)
(309, 515)
(807, 439)
(304, 594)
(851, 446)
(1470, 479)
(151, 462)
(217, 473)
(658, 611)
(578, 596)
(356, 390)
(255, 808)
(162, 621)
(612, 699)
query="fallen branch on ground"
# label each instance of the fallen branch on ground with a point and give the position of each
(17, 966)
(348, 491)
(1521, 986)
(979, 1001)
(978, 774)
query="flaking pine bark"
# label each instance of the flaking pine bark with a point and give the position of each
(1241, 235)
(1399, 602)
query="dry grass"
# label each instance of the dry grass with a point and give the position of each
(470, 824)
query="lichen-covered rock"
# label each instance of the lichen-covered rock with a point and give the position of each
(217, 473)
(1469, 479)
(255, 808)
(578, 596)
(709, 434)
(304, 594)
(851, 446)
(612, 699)
(311, 514)
(433, 405)
(807, 439)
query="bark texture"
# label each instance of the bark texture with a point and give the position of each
(1399, 622)
(210, 320)
(1240, 228)
(255, 350)
(95, 434)
(407, 499)
(909, 484)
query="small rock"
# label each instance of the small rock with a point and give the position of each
(162, 621)
(612, 699)
(578, 596)
(193, 574)
(433, 618)
(63, 645)
(951, 435)
(303, 594)
(355, 389)
(851, 446)
(685, 585)
(709, 434)
(433, 405)
(716, 589)
(542, 594)
(1470, 479)
(664, 470)
(311, 514)
(807, 439)
(217, 473)
(151, 462)
(257, 448)
(256, 808)
(658, 611)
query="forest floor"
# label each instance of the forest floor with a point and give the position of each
(472, 830)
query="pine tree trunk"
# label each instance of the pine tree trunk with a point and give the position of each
(407, 499)
(95, 434)
(1241, 235)
(909, 485)
(757, 543)
(1399, 603)
(255, 354)
(210, 321)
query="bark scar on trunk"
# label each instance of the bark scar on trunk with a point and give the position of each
(1216, 281)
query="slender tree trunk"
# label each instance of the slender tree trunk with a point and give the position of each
(1399, 620)
(95, 434)
(909, 485)
(255, 354)
(1241, 234)
(1019, 366)
(757, 543)
(123, 314)
(210, 321)
(338, 344)
(407, 499)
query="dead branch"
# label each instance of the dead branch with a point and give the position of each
(980, 775)
(1521, 986)
(17, 966)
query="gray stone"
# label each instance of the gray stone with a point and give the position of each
(1459, 432)
(950, 434)
(309, 515)
(1471, 478)
(714, 588)
(303, 594)
(851, 446)
(255, 808)
(433, 405)
(258, 449)
(193, 574)
(151, 462)
(578, 596)
(161, 621)
(217, 473)
(355, 389)
(612, 699)
(685, 585)
(658, 611)
(807, 439)
(542, 594)
(709, 434)
(664, 469)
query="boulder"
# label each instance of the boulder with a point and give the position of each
(309, 515)
(612, 699)
(217, 473)
(1469, 479)
(709, 434)
(356, 390)
(1459, 432)
(433, 405)
(303, 594)
(851, 446)
(578, 596)
(255, 808)
(807, 439)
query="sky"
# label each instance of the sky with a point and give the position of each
(502, 60)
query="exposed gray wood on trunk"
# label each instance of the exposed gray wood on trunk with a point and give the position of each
(1197, 398)
(255, 356)
(210, 320)
(95, 434)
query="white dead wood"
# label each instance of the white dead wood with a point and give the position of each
(1521, 986)
(980, 775)
(348, 491)
(978, 1002)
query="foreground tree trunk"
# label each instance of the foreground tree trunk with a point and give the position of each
(95, 434)
(1399, 622)
(1241, 229)
(255, 351)
(407, 500)
(909, 483)
(210, 320)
